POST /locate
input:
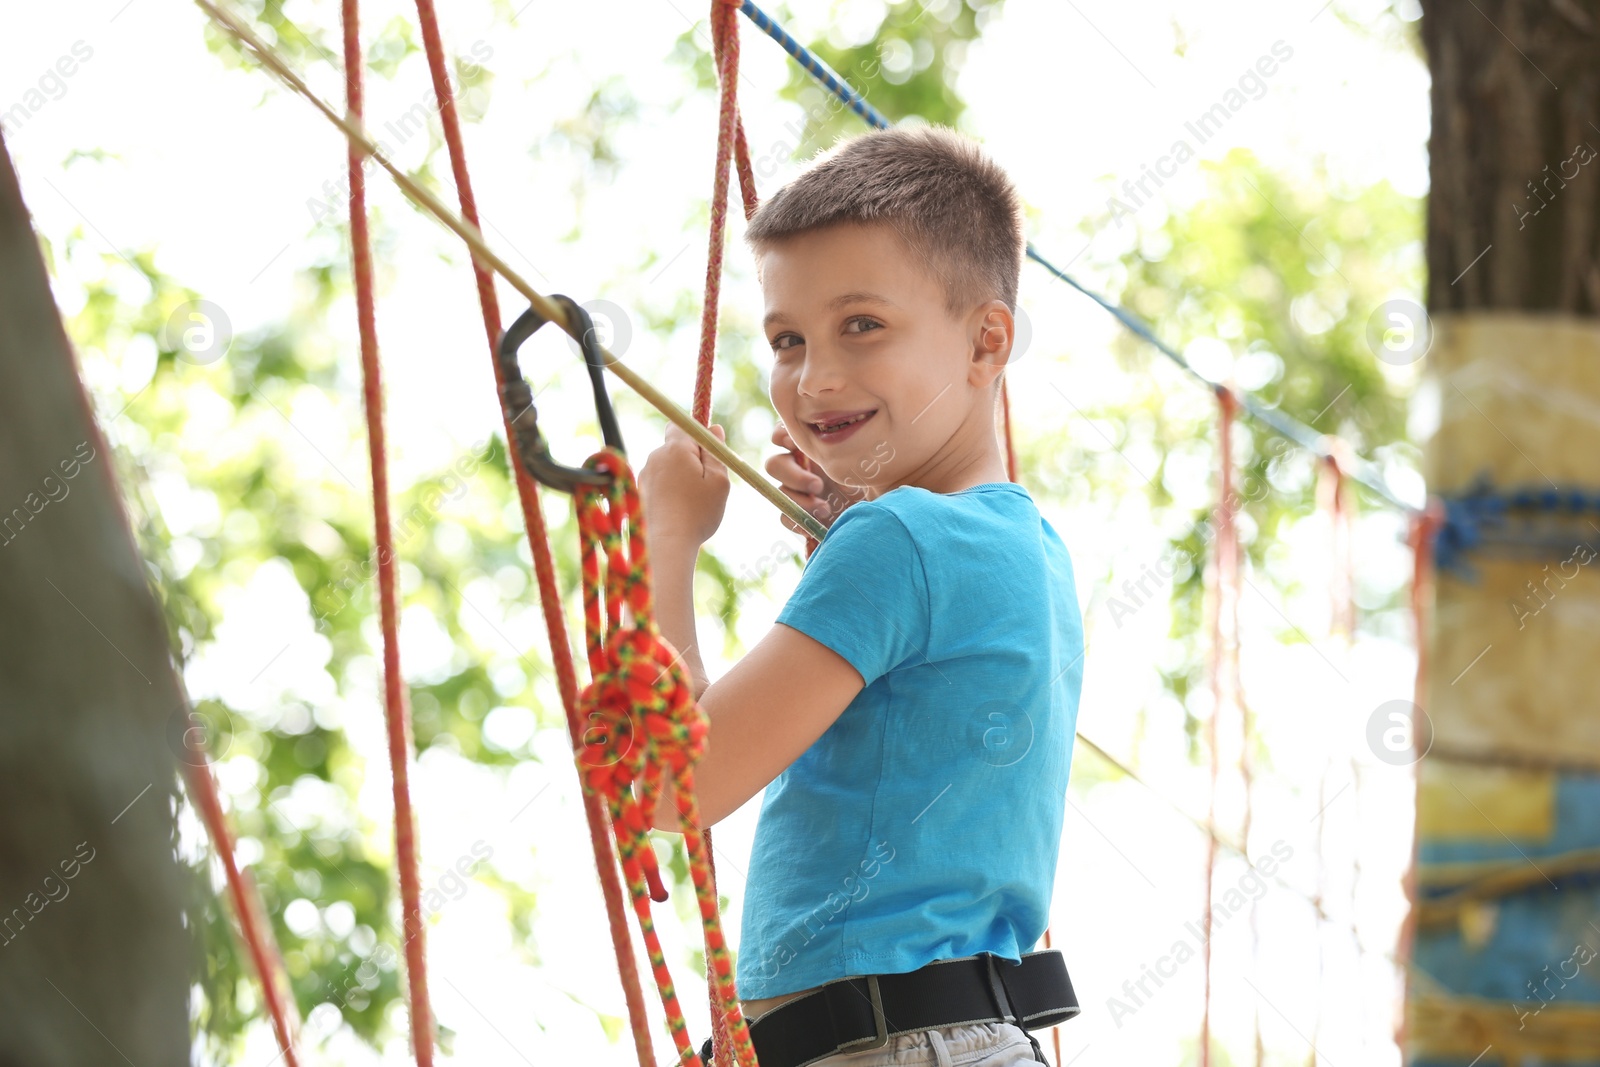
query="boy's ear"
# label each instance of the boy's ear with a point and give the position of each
(994, 331)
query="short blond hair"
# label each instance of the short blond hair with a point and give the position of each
(954, 208)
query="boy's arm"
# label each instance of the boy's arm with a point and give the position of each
(764, 713)
(776, 701)
(672, 567)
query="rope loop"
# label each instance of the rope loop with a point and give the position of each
(640, 707)
(644, 727)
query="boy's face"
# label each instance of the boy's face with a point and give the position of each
(859, 328)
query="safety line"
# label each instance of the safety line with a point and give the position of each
(256, 934)
(731, 147)
(396, 713)
(538, 538)
(1361, 470)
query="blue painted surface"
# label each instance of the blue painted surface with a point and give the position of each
(1544, 946)
(1535, 934)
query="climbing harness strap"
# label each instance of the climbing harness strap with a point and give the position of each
(861, 1013)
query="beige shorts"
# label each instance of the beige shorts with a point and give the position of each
(992, 1044)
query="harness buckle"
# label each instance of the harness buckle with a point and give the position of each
(875, 996)
(878, 1020)
(1002, 994)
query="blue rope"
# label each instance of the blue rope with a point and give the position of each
(1479, 520)
(1298, 432)
(814, 66)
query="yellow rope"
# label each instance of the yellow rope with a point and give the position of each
(551, 311)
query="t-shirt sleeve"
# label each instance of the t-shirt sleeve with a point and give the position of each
(864, 593)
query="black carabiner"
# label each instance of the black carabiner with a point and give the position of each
(516, 397)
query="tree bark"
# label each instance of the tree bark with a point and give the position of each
(1506, 843)
(1513, 154)
(93, 951)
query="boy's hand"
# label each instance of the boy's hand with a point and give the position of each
(683, 488)
(804, 481)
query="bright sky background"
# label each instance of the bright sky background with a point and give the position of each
(214, 169)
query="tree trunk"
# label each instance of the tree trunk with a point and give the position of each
(1507, 917)
(1512, 158)
(93, 953)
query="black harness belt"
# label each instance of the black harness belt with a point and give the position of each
(856, 1014)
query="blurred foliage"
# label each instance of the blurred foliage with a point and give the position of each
(1282, 273)
(1280, 278)
(905, 66)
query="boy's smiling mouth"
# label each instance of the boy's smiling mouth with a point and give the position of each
(833, 426)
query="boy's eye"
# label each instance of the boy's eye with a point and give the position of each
(865, 324)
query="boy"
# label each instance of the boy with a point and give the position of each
(911, 713)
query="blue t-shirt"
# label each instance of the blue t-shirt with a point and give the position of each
(925, 823)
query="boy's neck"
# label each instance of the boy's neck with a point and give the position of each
(980, 470)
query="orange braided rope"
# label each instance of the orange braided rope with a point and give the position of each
(1333, 495)
(1011, 448)
(1225, 568)
(397, 715)
(644, 723)
(539, 543)
(730, 135)
(730, 141)
(1424, 528)
(1333, 498)
(254, 931)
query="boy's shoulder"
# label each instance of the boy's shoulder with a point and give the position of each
(911, 502)
(929, 519)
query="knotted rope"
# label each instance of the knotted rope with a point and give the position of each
(644, 724)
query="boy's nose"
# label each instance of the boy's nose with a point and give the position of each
(822, 370)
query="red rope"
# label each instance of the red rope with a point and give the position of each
(1011, 448)
(544, 567)
(1424, 527)
(397, 715)
(730, 134)
(1055, 1031)
(255, 933)
(1225, 566)
(1246, 767)
(730, 142)
(1333, 497)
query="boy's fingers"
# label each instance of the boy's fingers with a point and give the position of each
(790, 474)
(713, 463)
(815, 505)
